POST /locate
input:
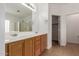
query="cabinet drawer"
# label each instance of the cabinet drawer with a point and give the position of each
(28, 42)
(16, 48)
(6, 50)
(37, 43)
(37, 52)
(28, 47)
(37, 47)
(37, 38)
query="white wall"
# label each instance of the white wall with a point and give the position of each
(73, 28)
(43, 17)
(56, 9)
(63, 10)
(63, 31)
(40, 19)
(70, 8)
(35, 20)
(2, 15)
(71, 13)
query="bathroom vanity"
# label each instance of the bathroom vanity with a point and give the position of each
(19, 38)
(33, 45)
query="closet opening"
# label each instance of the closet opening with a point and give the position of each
(55, 30)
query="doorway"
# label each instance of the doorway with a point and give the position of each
(55, 29)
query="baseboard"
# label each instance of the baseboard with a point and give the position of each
(62, 44)
(72, 43)
(54, 40)
(49, 47)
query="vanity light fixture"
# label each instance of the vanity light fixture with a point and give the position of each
(30, 6)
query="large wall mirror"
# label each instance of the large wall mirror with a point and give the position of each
(18, 18)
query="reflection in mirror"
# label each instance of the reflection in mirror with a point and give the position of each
(18, 18)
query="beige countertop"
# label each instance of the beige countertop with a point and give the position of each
(21, 37)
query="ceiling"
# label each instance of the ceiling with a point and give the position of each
(17, 9)
(59, 3)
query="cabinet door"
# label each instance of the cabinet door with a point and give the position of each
(43, 42)
(6, 50)
(37, 47)
(28, 51)
(15, 48)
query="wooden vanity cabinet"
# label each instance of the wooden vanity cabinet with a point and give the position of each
(37, 47)
(33, 46)
(43, 42)
(16, 48)
(29, 47)
(6, 50)
(40, 44)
